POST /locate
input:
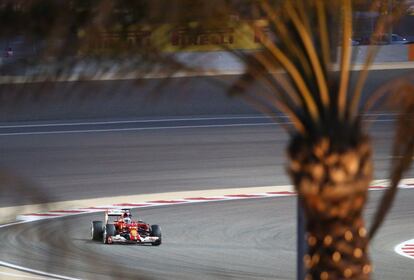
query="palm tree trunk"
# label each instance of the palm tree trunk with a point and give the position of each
(333, 183)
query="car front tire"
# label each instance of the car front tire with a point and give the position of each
(156, 231)
(108, 233)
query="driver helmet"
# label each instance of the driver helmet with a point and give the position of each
(127, 217)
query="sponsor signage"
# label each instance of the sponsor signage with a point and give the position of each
(168, 38)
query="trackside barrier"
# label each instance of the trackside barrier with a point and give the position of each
(411, 52)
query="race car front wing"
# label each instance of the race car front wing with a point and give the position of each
(121, 239)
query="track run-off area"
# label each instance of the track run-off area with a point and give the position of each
(167, 169)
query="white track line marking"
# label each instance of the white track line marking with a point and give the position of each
(20, 276)
(149, 128)
(132, 121)
(189, 119)
(38, 272)
(405, 249)
(134, 129)
(12, 224)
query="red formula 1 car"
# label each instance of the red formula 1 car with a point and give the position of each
(118, 227)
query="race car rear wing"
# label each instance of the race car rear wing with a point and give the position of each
(115, 213)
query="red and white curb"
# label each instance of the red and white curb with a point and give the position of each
(406, 249)
(59, 213)
(145, 204)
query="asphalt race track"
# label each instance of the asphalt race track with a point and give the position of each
(249, 239)
(99, 161)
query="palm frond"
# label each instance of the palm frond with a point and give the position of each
(403, 151)
(294, 73)
(282, 31)
(263, 67)
(382, 24)
(378, 98)
(345, 58)
(279, 79)
(323, 34)
(269, 101)
(311, 52)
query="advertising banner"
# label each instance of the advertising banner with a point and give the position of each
(193, 37)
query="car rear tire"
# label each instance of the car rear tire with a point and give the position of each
(97, 230)
(156, 231)
(108, 233)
